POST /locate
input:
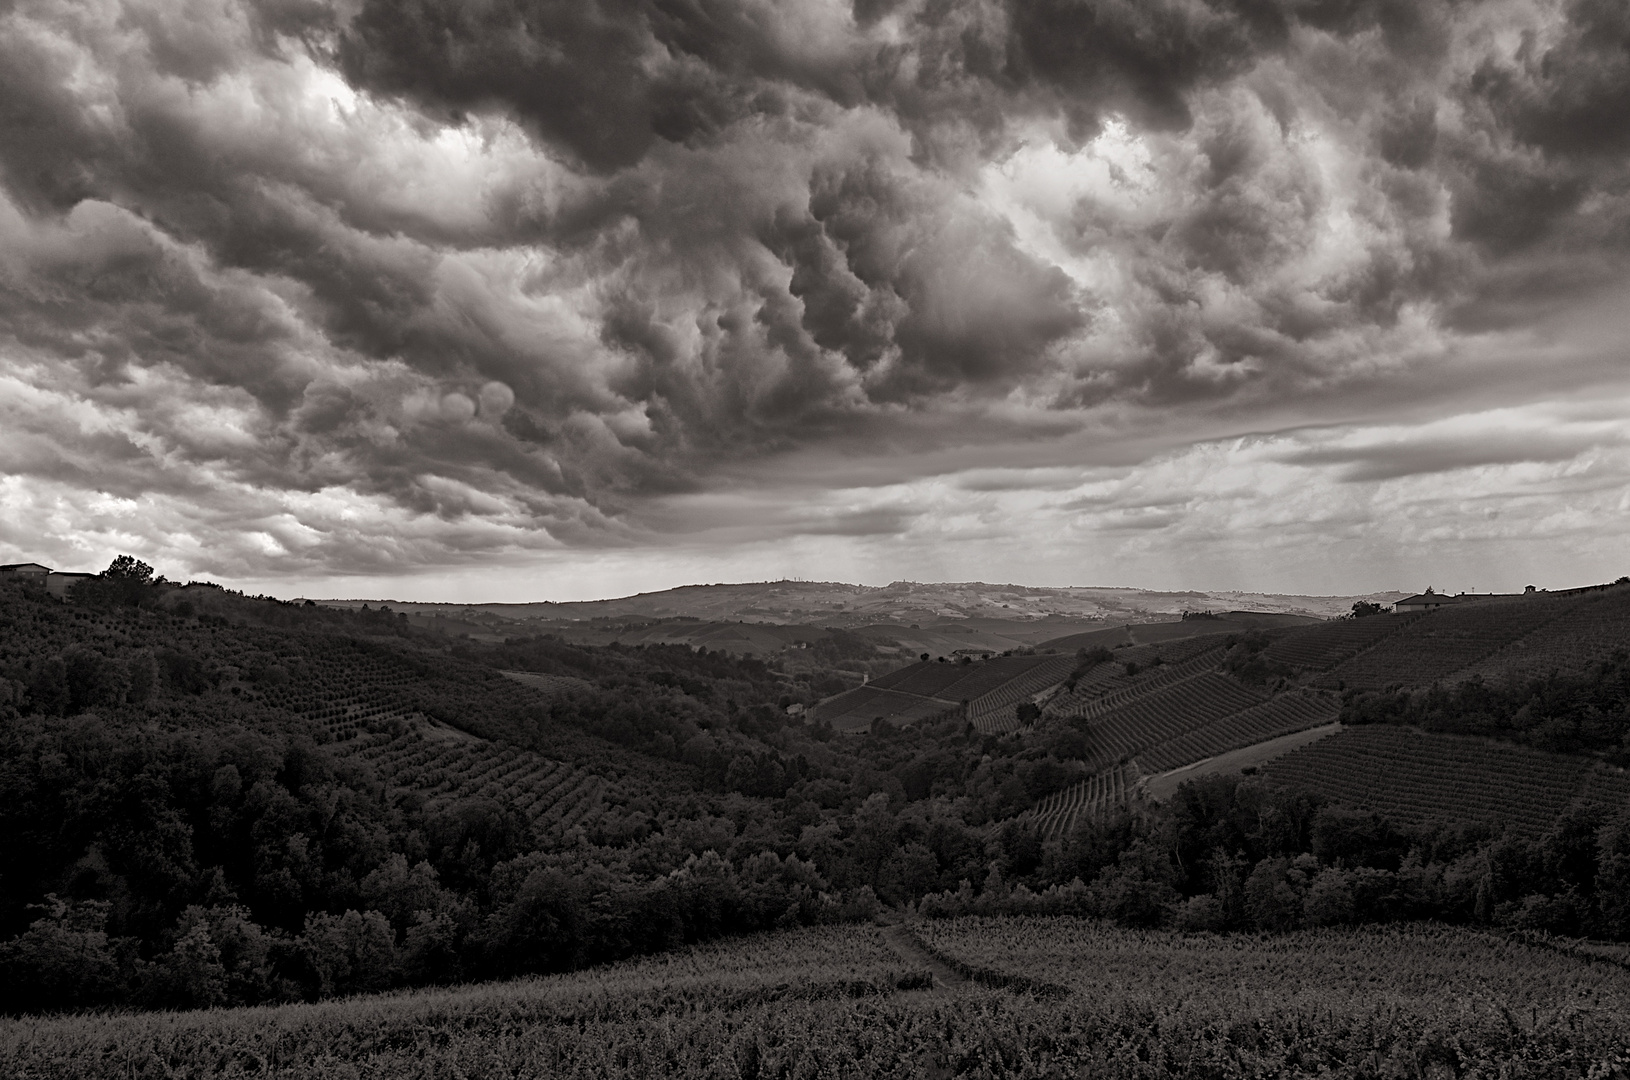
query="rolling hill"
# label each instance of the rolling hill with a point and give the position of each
(339, 799)
(1147, 726)
(996, 608)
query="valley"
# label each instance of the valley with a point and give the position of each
(231, 800)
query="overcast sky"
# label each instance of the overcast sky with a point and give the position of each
(517, 299)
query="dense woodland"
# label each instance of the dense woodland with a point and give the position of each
(181, 822)
(1565, 711)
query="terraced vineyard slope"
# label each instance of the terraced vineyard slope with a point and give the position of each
(989, 690)
(996, 710)
(1417, 777)
(1321, 647)
(1138, 667)
(1166, 714)
(1060, 812)
(1283, 714)
(1591, 628)
(858, 709)
(1094, 697)
(447, 765)
(1440, 643)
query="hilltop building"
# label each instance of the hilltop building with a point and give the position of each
(1423, 602)
(56, 582)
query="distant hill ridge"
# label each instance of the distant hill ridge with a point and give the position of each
(910, 601)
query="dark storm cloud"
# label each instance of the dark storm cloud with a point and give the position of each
(518, 268)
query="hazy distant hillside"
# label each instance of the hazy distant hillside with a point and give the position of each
(902, 602)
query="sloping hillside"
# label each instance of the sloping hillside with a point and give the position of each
(1416, 777)
(1497, 638)
(1546, 670)
(986, 693)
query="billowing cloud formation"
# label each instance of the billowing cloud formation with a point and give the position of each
(320, 291)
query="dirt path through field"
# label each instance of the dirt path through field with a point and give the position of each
(1165, 784)
(947, 980)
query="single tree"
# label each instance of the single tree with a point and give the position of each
(130, 569)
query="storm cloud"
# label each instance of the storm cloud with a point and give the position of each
(295, 291)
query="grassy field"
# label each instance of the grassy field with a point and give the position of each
(844, 1002)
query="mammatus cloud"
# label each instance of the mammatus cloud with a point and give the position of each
(303, 292)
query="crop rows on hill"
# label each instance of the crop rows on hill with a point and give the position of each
(1416, 776)
(1113, 637)
(551, 793)
(983, 678)
(854, 710)
(1166, 714)
(1057, 814)
(1385, 970)
(1175, 652)
(1110, 698)
(1592, 628)
(1110, 676)
(1327, 644)
(1282, 715)
(928, 689)
(835, 706)
(955, 683)
(996, 711)
(1444, 641)
(342, 691)
(1421, 1000)
(926, 679)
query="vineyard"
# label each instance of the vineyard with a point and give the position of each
(1593, 627)
(1421, 1000)
(1281, 715)
(1060, 812)
(1320, 647)
(446, 765)
(855, 710)
(1417, 777)
(925, 679)
(1383, 970)
(1095, 697)
(1152, 663)
(921, 691)
(1164, 715)
(996, 710)
(983, 678)
(1114, 786)
(1440, 643)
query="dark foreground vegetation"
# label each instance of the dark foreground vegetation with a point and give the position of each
(1382, 1003)
(184, 820)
